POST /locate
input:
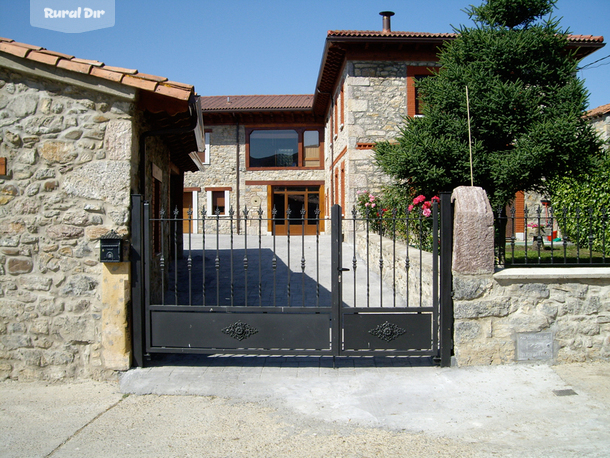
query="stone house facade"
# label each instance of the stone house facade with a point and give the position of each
(364, 92)
(81, 140)
(600, 119)
(72, 154)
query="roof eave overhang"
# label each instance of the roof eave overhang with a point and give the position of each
(326, 80)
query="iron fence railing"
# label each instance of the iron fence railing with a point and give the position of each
(545, 236)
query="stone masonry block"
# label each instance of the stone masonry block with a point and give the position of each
(473, 245)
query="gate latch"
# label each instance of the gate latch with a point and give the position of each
(343, 269)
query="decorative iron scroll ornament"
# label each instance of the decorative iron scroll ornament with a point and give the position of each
(240, 331)
(387, 331)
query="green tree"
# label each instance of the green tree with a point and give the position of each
(582, 207)
(526, 106)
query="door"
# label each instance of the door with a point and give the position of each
(187, 205)
(296, 209)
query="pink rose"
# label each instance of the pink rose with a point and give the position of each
(419, 199)
(426, 212)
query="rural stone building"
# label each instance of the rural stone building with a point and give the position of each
(600, 119)
(83, 144)
(365, 89)
(77, 139)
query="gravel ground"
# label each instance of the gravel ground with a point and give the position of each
(233, 411)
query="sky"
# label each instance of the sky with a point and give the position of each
(244, 47)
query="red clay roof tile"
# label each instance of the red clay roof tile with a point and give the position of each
(127, 71)
(378, 33)
(178, 85)
(54, 53)
(43, 57)
(25, 45)
(173, 92)
(599, 111)
(139, 83)
(74, 66)
(128, 76)
(146, 76)
(95, 63)
(106, 74)
(10, 48)
(256, 102)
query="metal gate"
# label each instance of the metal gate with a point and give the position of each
(257, 294)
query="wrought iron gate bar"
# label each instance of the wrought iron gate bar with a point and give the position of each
(245, 255)
(376, 326)
(190, 257)
(217, 260)
(162, 224)
(380, 215)
(231, 269)
(303, 253)
(176, 251)
(368, 267)
(317, 257)
(260, 257)
(288, 270)
(203, 289)
(394, 213)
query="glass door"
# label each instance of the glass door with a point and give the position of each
(296, 206)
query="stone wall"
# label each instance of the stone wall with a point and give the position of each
(222, 173)
(375, 105)
(550, 314)
(394, 257)
(602, 125)
(69, 155)
(553, 314)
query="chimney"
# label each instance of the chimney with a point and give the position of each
(387, 27)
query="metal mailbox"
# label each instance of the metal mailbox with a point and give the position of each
(111, 247)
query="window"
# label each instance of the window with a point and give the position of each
(284, 149)
(274, 148)
(311, 148)
(418, 101)
(218, 200)
(339, 117)
(414, 76)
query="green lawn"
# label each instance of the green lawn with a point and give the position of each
(557, 255)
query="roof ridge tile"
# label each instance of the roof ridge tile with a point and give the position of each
(95, 63)
(11, 48)
(130, 77)
(127, 71)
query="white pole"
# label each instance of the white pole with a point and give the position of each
(469, 138)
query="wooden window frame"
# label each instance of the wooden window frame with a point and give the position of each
(412, 74)
(210, 211)
(300, 130)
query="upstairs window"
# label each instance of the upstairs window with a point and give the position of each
(311, 148)
(284, 149)
(274, 148)
(418, 101)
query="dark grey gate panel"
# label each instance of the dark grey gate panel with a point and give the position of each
(190, 328)
(253, 298)
(388, 331)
